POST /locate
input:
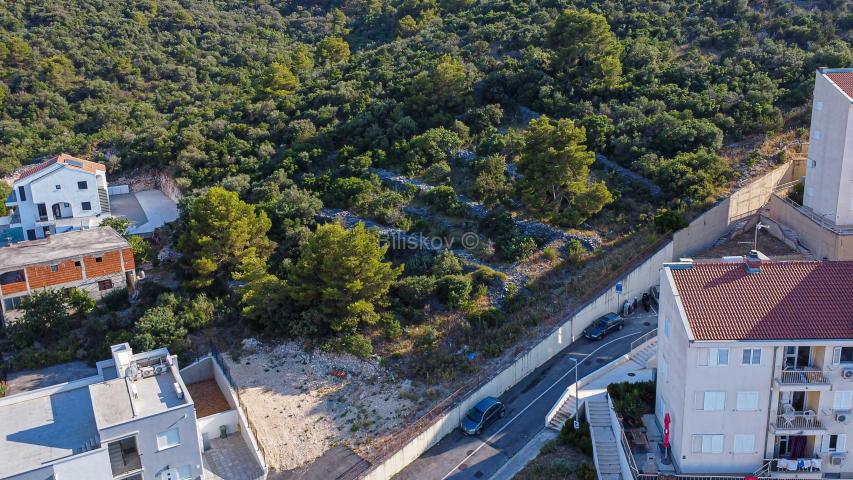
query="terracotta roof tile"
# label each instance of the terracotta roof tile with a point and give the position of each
(68, 160)
(786, 300)
(844, 81)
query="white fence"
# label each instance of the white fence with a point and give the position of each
(118, 189)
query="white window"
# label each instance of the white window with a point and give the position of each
(745, 443)
(751, 356)
(842, 355)
(747, 401)
(707, 444)
(185, 472)
(666, 326)
(713, 357)
(664, 369)
(168, 439)
(710, 401)
(842, 400)
(834, 443)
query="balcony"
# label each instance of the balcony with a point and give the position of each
(794, 468)
(798, 423)
(803, 379)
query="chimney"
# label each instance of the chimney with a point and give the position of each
(754, 260)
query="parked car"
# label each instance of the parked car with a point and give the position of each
(485, 412)
(654, 292)
(603, 325)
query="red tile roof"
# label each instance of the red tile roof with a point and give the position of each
(68, 160)
(844, 80)
(785, 301)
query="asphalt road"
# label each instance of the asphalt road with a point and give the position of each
(460, 457)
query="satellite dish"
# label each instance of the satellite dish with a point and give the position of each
(132, 371)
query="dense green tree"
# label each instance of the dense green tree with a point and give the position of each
(491, 185)
(333, 50)
(279, 80)
(159, 327)
(340, 277)
(219, 232)
(587, 53)
(555, 165)
(45, 318)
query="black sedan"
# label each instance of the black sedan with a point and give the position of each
(603, 325)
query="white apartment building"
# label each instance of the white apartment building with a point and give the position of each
(829, 171)
(755, 363)
(59, 194)
(134, 421)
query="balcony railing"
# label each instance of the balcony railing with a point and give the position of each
(794, 465)
(805, 376)
(798, 421)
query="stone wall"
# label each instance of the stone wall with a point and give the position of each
(149, 179)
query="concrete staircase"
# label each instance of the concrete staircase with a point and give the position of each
(604, 442)
(733, 230)
(566, 411)
(104, 199)
(642, 356)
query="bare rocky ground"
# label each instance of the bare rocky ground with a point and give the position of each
(302, 404)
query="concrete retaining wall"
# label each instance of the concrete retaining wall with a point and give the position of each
(210, 424)
(700, 234)
(716, 222)
(822, 243)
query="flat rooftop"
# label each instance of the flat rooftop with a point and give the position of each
(60, 246)
(42, 429)
(114, 403)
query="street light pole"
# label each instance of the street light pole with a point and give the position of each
(577, 423)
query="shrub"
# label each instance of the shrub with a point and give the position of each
(796, 193)
(454, 290)
(486, 276)
(632, 400)
(446, 263)
(486, 319)
(356, 344)
(443, 200)
(81, 302)
(515, 247)
(437, 174)
(198, 312)
(420, 264)
(391, 326)
(116, 300)
(415, 291)
(159, 327)
(585, 471)
(666, 221)
(141, 248)
(575, 250)
(550, 253)
(579, 439)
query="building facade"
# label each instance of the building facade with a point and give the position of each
(755, 366)
(57, 195)
(135, 420)
(97, 261)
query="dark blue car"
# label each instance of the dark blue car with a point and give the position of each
(603, 325)
(485, 412)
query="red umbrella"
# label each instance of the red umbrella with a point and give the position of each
(666, 431)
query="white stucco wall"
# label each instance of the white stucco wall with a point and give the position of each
(829, 173)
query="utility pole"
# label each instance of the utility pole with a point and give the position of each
(577, 423)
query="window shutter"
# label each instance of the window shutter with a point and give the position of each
(702, 357)
(836, 355)
(697, 443)
(841, 443)
(824, 444)
(842, 400)
(713, 357)
(717, 443)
